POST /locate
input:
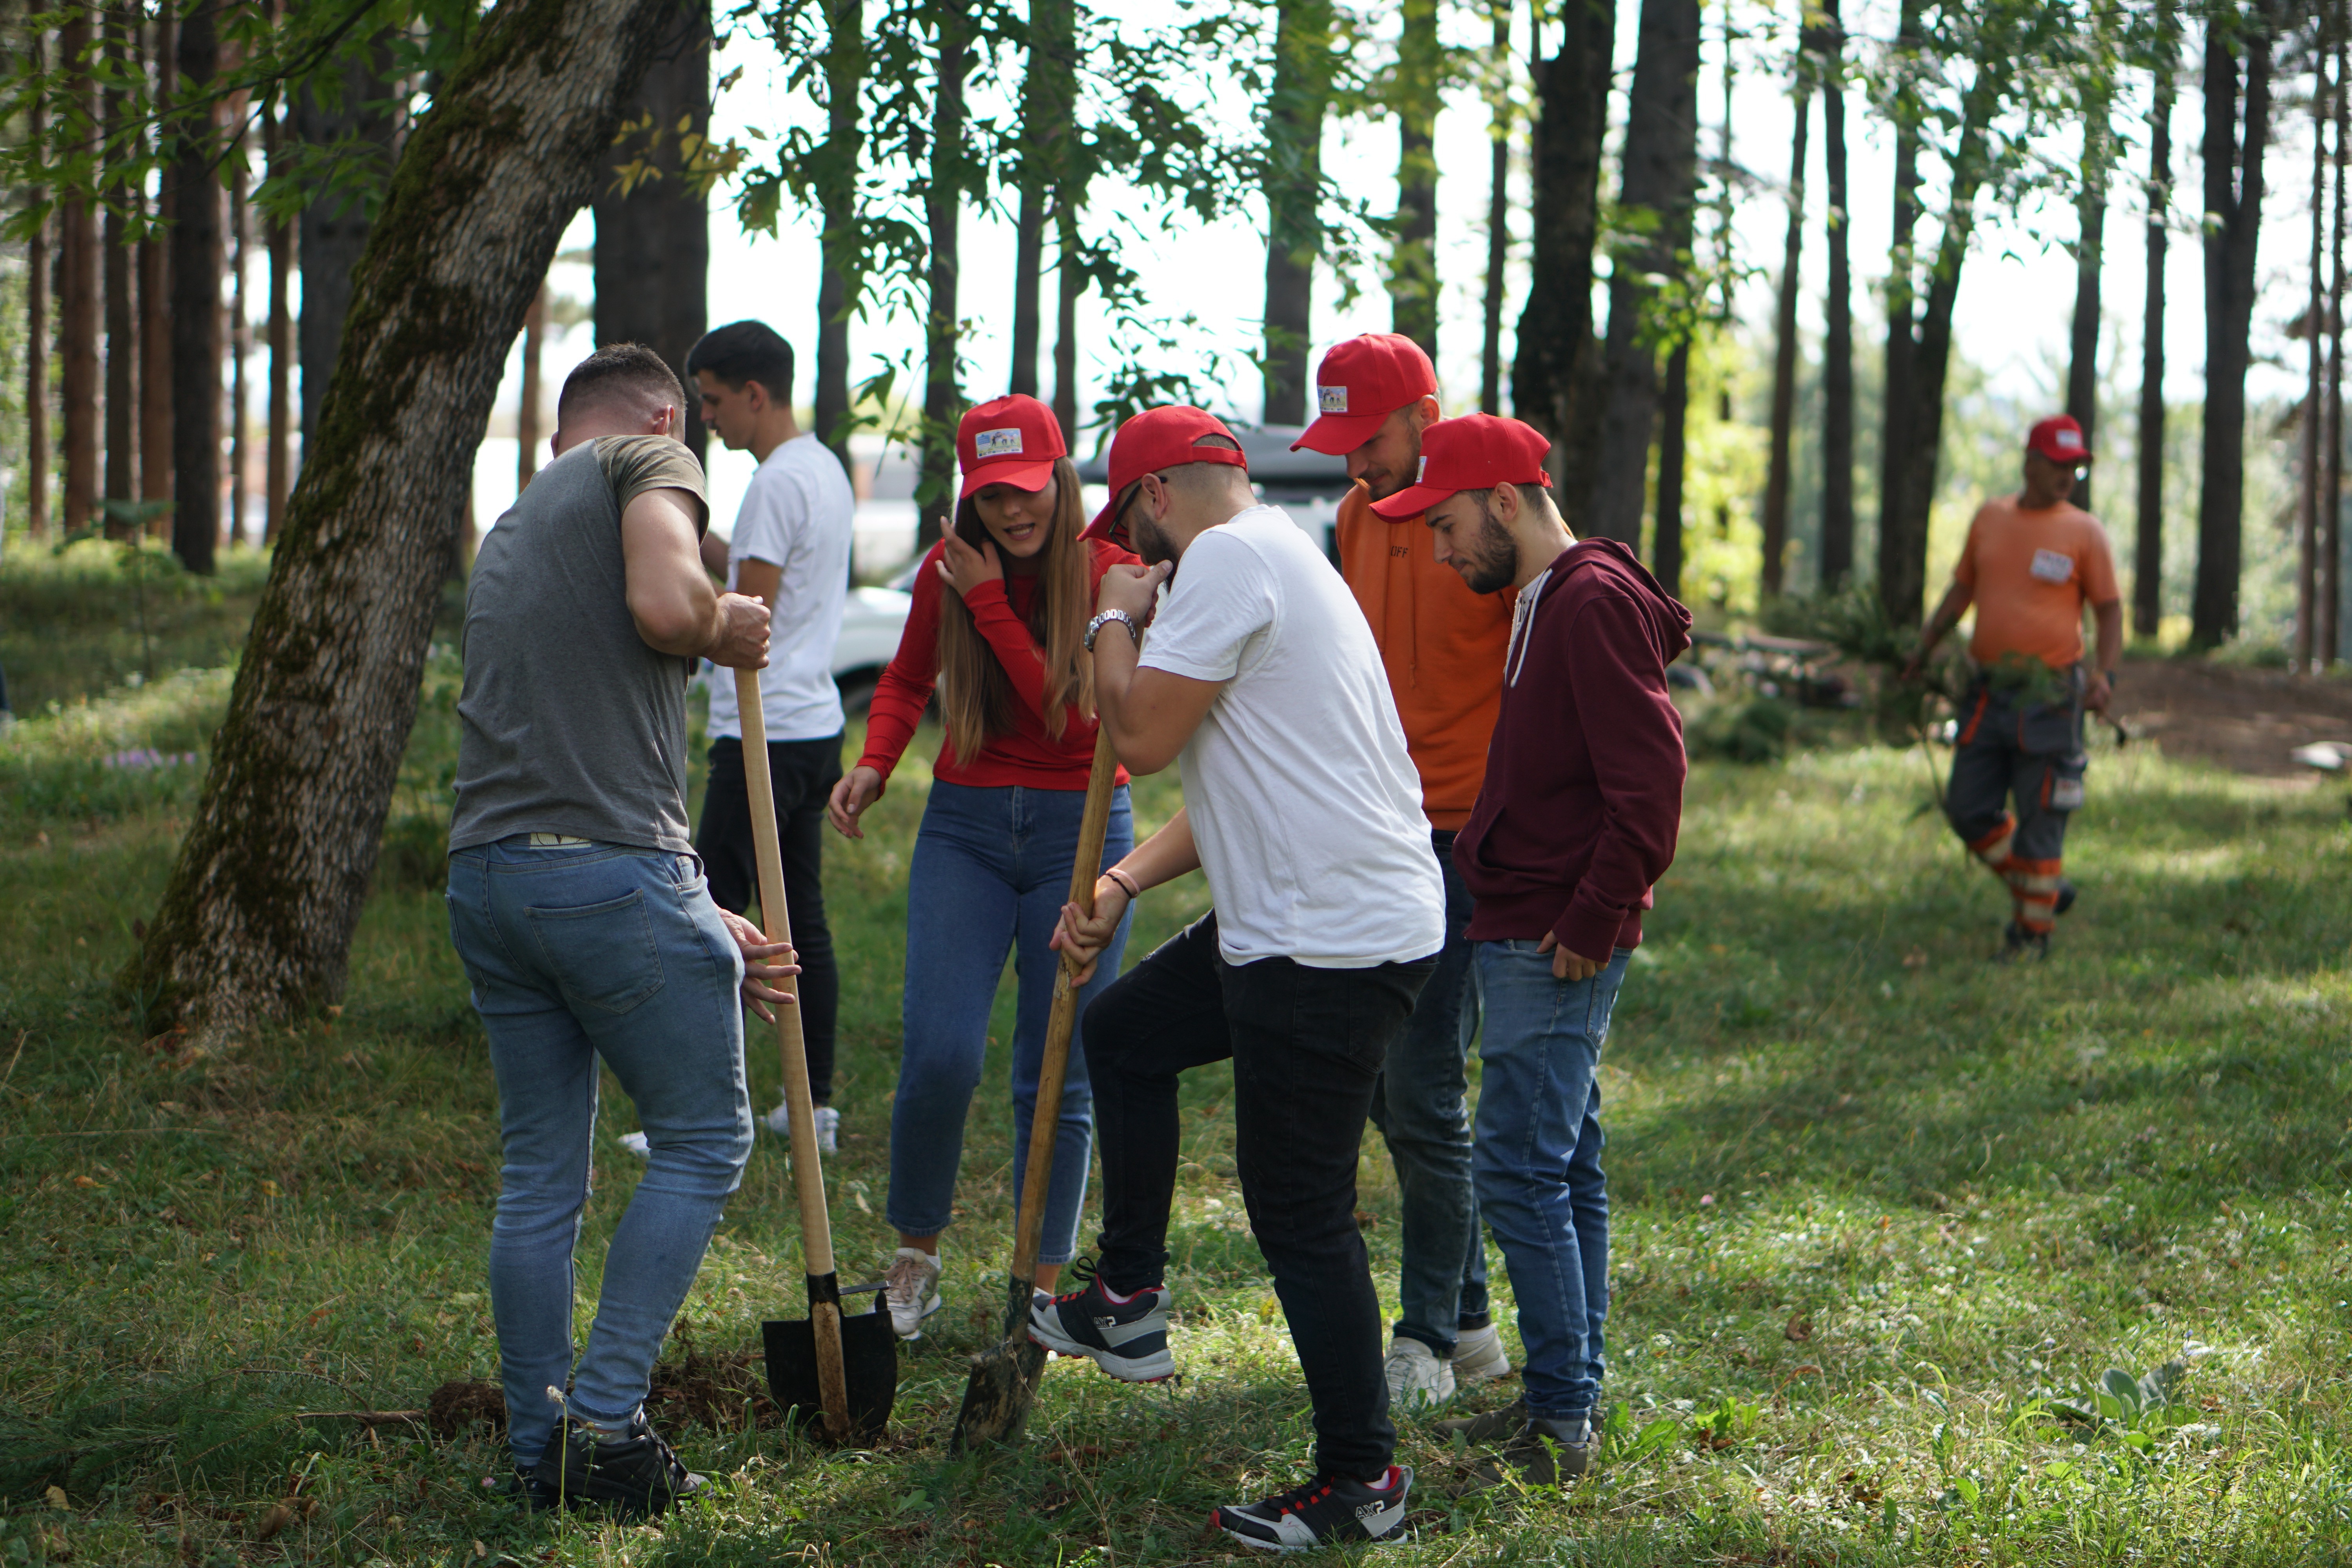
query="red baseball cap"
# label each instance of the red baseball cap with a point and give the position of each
(1167, 436)
(1360, 382)
(2060, 439)
(1011, 441)
(1475, 452)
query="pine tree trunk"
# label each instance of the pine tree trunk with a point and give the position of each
(2090, 256)
(1661, 172)
(121, 309)
(257, 921)
(334, 231)
(2313, 413)
(1044, 131)
(78, 292)
(36, 330)
(1555, 378)
(196, 306)
(653, 246)
(1837, 338)
(1069, 283)
(2148, 548)
(1674, 414)
(2233, 207)
(1412, 256)
(839, 279)
(1498, 224)
(240, 337)
(1293, 184)
(2331, 574)
(279, 465)
(1778, 465)
(943, 208)
(155, 300)
(533, 390)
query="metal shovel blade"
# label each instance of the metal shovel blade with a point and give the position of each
(1003, 1382)
(869, 1357)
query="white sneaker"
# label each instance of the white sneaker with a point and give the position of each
(1419, 1379)
(828, 1126)
(911, 1290)
(1478, 1356)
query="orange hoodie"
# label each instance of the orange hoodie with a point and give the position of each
(1442, 645)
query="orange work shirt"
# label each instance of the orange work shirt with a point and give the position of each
(1442, 645)
(2031, 570)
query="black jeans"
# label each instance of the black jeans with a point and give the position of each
(803, 774)
(1306, 1046)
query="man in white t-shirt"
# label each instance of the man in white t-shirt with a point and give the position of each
(1262, 682)
(791, 548)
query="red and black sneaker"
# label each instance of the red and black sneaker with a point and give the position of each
(1128, 1336)
(1330, 1510)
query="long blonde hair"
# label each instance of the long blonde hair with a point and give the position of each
(975, 693)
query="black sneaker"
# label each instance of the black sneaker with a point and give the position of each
(525, 1490)
(1127, 1338)
(2017, 943)
(639, 1473)
(1543, 1453)
(1327, 1512)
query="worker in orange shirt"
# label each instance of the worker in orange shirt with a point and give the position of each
(1442, 647)
(2032, 561)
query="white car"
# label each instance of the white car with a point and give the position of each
(871, 623)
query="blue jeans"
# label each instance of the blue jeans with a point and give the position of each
(576, 954)
(991, 872)
(1538, 1162)
(1419, 1106)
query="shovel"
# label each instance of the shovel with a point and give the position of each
(1003, 1382)
(843, 1369)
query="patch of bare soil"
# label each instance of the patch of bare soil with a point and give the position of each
(2249, 721)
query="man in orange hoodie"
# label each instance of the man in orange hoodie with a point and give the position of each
(1442, 646)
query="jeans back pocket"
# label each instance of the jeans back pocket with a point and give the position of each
(602, 954)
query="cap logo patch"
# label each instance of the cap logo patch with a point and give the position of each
(997, 444)
(1331, 399)
(2067, 440)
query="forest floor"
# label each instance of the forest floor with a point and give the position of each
(1917, 1259)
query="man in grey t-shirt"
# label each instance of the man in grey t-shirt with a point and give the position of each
(578, 907)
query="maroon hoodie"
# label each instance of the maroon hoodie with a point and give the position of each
(1584, 777)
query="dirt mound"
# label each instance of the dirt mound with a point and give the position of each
(2249, 721)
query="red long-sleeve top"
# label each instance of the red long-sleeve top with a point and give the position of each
(1029, 755)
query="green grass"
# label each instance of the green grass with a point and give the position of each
(1881, 1208)
(77, 623)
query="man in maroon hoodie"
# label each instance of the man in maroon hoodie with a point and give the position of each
(1574, 823)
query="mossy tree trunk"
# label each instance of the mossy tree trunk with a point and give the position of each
(257, 921)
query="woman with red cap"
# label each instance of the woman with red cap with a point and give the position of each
(997, 626)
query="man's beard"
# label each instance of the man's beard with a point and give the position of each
(1149, 542)
(1494, 556)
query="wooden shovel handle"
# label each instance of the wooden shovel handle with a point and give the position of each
(808, 1171)
(1093, 824)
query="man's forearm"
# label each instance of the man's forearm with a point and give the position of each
(2110, 618)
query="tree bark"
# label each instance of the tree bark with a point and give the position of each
(257, 921)
(240, 337)
(1070, 283)
(1293, 187)
(527, 406)
(653, 245)
(1837, 339)
(943, 206)
(839, 277)
(2090, 256)
(36, 330)
(2331, 572)
(2148, 548)
(155, 302)
(1778, 468)
(78, 294)
(2233, 205)
(1044, 132)
(121, 307)
(2313, 413)
(279, 466)
(1413, 255)
(1555, 378)
(196, 306)
(1659, 178)
(1498, 223)
(1674, 414)
(335, 228)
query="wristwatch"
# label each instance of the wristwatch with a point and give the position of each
(1122, 617)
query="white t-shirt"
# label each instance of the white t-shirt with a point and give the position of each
(1304, 801)
(796, 515)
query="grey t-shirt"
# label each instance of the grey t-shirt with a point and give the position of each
(570, 723)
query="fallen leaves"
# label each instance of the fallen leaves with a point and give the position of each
(1799, 1329)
